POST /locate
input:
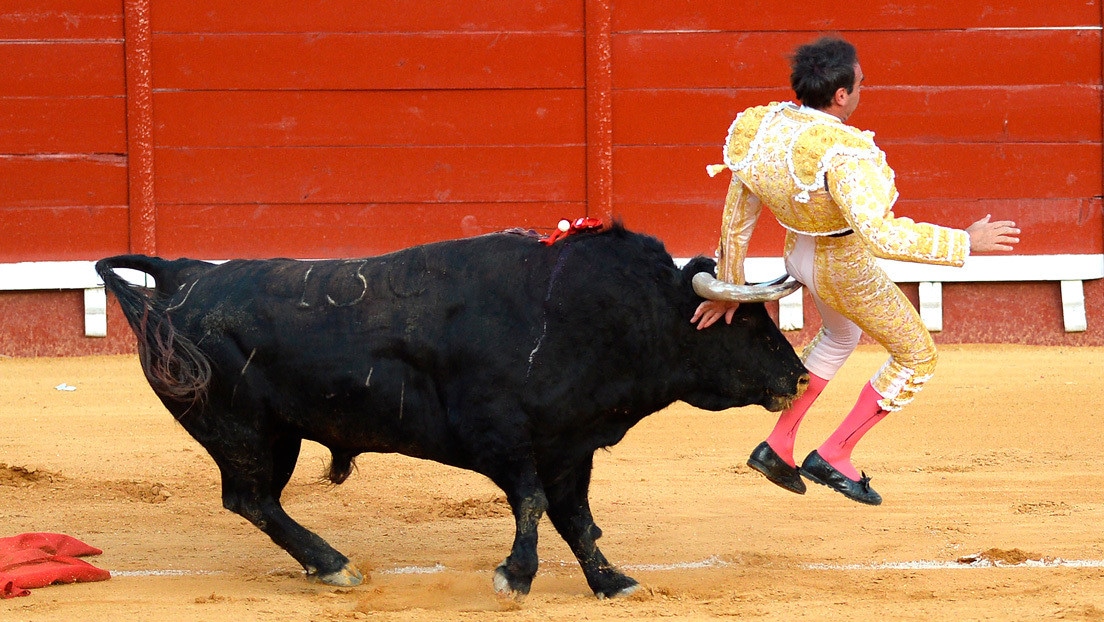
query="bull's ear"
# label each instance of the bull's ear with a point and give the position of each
(696, 265)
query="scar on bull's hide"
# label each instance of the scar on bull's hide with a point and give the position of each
(185, 299)
(303, 301)
(241, 374)
(408, 277)
(248, 361)
(363, 289)
(361, 263)
(368, 380)
(533, 354)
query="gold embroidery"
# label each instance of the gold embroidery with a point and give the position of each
(850, 281)
(820, 177)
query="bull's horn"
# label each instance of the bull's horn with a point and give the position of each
(708, 287)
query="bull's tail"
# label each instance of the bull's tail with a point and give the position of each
(174, 366)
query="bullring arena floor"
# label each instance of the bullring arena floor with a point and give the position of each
(993, 481)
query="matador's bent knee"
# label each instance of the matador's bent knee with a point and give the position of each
(899, 383)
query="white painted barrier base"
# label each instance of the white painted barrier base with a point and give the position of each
(1068, 270)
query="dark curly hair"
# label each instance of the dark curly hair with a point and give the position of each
(820, 68)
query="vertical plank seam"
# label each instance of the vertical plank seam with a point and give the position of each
(599, 108)
(138, 43)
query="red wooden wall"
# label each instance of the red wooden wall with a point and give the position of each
(324, 129)
(315, 128)
(981, 108)
(63, 154)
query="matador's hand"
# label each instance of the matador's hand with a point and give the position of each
(709, 311)
(988, 236)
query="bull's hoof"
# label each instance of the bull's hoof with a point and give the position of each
(617, 586)
(508, 588)
(348, 576)
(623, 592)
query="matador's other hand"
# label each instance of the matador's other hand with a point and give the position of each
(709, 311)
(988, 236)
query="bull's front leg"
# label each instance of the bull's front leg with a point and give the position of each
(514, 576)
(569, 511)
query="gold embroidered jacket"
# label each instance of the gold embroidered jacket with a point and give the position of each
(819, 177)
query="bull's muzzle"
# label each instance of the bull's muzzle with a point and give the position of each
(707, 286)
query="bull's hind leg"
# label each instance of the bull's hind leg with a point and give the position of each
(514, 576)
(252, 480)
(285, 453)
(569, 511)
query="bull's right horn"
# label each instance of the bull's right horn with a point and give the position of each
(707, 286)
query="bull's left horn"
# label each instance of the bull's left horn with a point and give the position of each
(708, 287)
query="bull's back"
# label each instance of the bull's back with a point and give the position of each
(426, 293)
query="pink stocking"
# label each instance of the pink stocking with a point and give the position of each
(836, 451)
(782, 438)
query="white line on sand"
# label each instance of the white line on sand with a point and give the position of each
(162, 573)
(954, 565)
(415, 570)
(709, 562)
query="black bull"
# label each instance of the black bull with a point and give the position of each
(497, 354)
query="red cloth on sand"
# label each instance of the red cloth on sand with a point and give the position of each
(35, 560)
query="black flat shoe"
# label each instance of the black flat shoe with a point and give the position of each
(818, 470)
(765, 460)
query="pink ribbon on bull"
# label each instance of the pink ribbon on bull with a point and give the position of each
(571, 227)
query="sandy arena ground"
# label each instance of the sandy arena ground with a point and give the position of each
(998, 461)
